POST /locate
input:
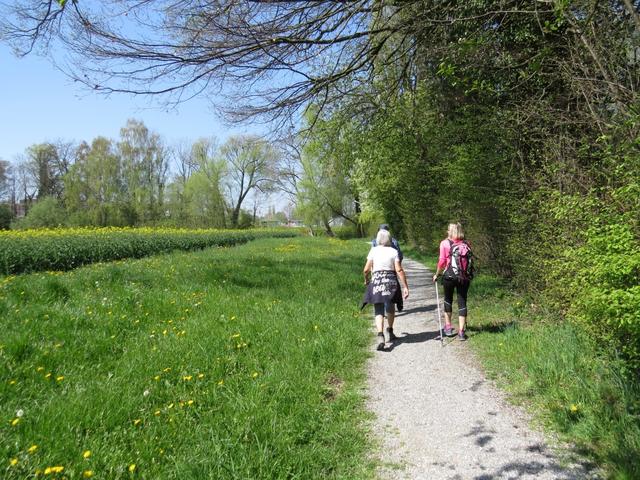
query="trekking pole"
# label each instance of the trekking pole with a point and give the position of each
(439, 316)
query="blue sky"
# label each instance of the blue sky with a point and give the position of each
(38, 104)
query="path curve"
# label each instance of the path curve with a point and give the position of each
(438, 417)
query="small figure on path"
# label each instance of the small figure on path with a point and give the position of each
(456, 265)
(394, 242)
(383, 275)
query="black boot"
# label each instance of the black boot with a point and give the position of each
(380, 342)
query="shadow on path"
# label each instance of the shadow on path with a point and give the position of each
(410, 338)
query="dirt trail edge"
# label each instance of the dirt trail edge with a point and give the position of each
(437, 417)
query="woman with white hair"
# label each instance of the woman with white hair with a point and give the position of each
(383, 275)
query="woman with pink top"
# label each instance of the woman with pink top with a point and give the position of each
(451, 282)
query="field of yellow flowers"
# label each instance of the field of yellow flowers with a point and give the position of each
(220, 363)
(66, 248)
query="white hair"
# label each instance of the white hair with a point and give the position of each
(383, 238)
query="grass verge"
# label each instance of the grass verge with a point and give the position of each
(561, 376)
(224, 363)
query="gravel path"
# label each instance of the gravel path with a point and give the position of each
(437, 417)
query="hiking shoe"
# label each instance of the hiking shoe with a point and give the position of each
(462, 336)
(448, 331)
(392, 336)
(380, 342)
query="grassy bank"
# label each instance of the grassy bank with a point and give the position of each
(224, 363)
(566, 381)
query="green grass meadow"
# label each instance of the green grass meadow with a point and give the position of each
(243, 362)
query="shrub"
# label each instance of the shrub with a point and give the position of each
(45, 213)
(6, 216)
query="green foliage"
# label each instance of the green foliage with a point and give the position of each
(35, 250)
(605, 288)
(6, 216)
(45, 213)
(211, 364)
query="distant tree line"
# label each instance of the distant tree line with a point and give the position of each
(139, 180)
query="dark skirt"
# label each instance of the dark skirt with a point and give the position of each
(383, 287)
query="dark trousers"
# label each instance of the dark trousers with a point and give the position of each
(461, 289)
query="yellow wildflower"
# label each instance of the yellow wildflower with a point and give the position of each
(56, 469)
(137, 422)
(187, 377)
(32, 448)
(190, 402)
(254, 374)
(60, 378)
(13, 462)
(87, 474)
(156, 378)
(132, 467)
(573, 408)
(221, 382)
(15, 422)
(86, 454)
(156, 413)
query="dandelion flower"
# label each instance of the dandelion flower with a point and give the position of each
(156, 378)
(132, 467)
(187, 377)
(221, 382)
(13, 462)
(137, 422)
(32, 448)
(60, 378)
(573, 408)
(87, 474)
(12, 382)
(15, 422)
(156, 413)
(56, 469)
(86, 454)
(40, 369)
(190, 402)
(201, 375)
(254, 374)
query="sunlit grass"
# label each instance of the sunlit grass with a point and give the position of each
(225, 363)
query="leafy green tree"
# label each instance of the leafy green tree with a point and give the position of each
(203, 197)
(250, 165)
(94, 187)
(144, 170)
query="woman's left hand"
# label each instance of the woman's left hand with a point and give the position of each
(405, 293)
